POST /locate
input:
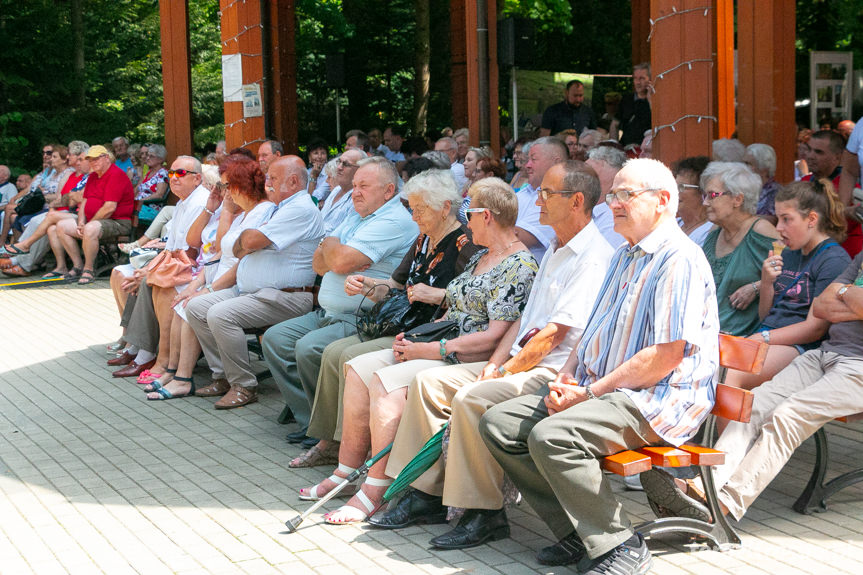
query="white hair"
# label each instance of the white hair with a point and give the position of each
(386, 169)
(437, 157)
(435, 188)
(737, 179)
(209, 175)
(728, 150)
(655, 175)
(608, 154)
(763, 157)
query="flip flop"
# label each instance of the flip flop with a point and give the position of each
(53, 275)
(12, 250)
(87, 277)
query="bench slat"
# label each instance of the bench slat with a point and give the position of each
(733, 403)
(626, 463)
(704, 455)
(662, 456)
(742, 354)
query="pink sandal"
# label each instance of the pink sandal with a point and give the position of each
(148, 376)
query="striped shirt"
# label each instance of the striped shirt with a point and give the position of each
(658, 291)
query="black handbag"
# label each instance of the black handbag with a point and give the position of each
(30, 204)
(433, 331)
(392, 315)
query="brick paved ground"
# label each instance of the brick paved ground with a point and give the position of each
(95, 479)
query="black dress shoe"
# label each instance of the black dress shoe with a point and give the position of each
(475, 528)
(414, 507)
(568, 550)
(309, 442)
(297, 436)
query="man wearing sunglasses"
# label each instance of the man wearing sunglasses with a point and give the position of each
(641, 374)
(106, 212)
(530, 354)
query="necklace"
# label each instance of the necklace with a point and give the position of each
(500, 251)
(434, 242)
(744, 227)
(691, 227)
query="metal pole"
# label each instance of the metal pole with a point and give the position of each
(338, 116)
(514, 107)
(482, 72)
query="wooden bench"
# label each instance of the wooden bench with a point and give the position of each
(816, 492)
(255, 346)
(731, 403)
(109, 255)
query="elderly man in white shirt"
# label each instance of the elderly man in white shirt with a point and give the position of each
(338, 203)
(529, 355)
(274, 283)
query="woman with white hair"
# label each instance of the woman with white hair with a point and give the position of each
(483, 301)
(738, 245)
(761, 158)
(153, 189)
(440, 253)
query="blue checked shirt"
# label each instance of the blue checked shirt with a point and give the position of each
(658, 291)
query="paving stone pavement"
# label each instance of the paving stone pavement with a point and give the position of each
(95, 479)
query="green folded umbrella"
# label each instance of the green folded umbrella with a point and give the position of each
(426, 457)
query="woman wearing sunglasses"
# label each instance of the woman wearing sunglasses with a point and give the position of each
(484, 301)
(738, 245)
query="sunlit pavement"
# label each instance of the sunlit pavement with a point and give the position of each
(95, 479)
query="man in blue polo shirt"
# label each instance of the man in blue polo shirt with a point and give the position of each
(372, 239)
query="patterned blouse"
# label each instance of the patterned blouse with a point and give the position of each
(498, 294)
(150, 185)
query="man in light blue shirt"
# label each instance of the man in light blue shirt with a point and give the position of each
(274, 283)
(372, 239)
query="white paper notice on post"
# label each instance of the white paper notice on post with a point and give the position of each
(232, 78)
(252, 105)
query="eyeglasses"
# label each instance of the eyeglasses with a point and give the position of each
(221, 187)
(47, 152)
(343, 164)
(545, 192)
(470, 211)
(683, 187)
(710, 196)
(624, 196)
(180, 173)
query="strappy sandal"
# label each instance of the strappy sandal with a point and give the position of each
(315, 494)
(164, 394)
(315, 456)
(148, 376)
(347, 514)
(87, 277)
(72, 274)
(157, 384)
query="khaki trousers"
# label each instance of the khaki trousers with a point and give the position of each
(814, 389)
(326, 422)
(471, 478)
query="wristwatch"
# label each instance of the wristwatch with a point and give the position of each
(765, 335)
(503, 371)
(590, 394)
(840, 295)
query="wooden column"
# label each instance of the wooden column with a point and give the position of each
(241, 34)
(765, 101)
(684, 78)
(724, 49)
(283, 52)
(176, 77)
(464, 68)
(640, 24)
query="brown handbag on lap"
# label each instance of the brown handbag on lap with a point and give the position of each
(169, 269)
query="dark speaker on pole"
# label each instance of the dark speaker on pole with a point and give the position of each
(335, 70)
(515, 43)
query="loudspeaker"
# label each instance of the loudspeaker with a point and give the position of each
(335, 70)
(515, 43)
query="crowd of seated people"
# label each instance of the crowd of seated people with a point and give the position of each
(585, 297)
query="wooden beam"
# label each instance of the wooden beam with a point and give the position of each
(640, 25)
(681, 57)
(241, 34)
(176, 77)
(284, 73)
(724, 17)
(765, 102)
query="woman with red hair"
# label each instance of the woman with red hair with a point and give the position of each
(244, 206)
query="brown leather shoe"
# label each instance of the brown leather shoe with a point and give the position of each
(16, 271)
(237, 397)
(134, 369)
(124, 358)
(217, 387)
(5, 262)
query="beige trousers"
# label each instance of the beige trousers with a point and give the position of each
(814, 389)
(472, 478)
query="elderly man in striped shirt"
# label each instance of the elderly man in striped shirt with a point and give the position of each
(643, 375)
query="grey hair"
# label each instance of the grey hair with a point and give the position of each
(157, 150)
(461, 132)
(655, 175)
(728, 150)
(553, 143)
(330, 169)
(763, 157)
(78, 147)
(642, 66)
(386, 169)
(737, 179)
(118, 138)
(210, 175)
(481, 152)
(451, 144)
(196, 163)
(579, 177)
(435, 188)
(589, 132)
(438, 158)
(5, 170)
(608, 154)
(275, 146)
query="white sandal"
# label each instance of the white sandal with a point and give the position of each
(348, 513)
(311, 493)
